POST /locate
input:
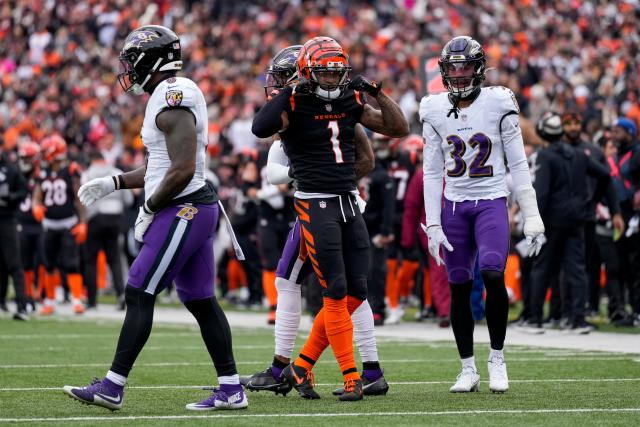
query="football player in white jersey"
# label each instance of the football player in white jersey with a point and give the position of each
(176, 224)
(469, 131)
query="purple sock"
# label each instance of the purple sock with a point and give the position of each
(276, 372)
(230, 389)
(372, 374)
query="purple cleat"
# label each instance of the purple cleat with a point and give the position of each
(219, 399)
(100, 393)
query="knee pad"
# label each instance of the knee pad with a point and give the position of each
(460, 275)
(492, 261)
(358, 288)
(200, 307)
(135, 297)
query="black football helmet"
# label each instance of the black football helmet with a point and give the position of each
(148, 50)
(282, 69)
(462, 54)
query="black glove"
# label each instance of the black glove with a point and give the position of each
(304, 86)
(362, 84)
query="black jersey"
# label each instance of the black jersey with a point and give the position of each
(401, 169)
(57, 191)
(320, 141)
(25, 213)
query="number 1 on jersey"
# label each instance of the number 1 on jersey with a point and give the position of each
(335, 144)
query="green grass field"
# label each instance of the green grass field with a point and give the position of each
(548, 387)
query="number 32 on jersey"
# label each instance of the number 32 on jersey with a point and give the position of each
(477, 167)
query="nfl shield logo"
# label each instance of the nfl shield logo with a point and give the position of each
(328, 107)
(323, 204)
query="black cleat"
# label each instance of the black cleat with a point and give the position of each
(265, 380)
(301, 380)
(352, 391)
(378, 387)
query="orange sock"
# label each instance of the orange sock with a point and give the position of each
(50, 286)
(75, 285)
(406, 276)
(28, 283)
(233, 277)
(269, 287)
(392, 283)
(426, 288)
(101, 270)
(340, 334)
(315, 344)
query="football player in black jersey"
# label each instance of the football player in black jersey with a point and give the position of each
(316, 120)
(62, 215)
(30, 229)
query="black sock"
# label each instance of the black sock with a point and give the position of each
(135, 329)
(497, 307)
(462, 321)
(279, 364)
(215, 333)
(370, 366)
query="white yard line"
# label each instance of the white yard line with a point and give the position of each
(262, 362)
(393, 383)
(237, 415)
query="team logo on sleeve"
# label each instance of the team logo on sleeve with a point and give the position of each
(173, 97)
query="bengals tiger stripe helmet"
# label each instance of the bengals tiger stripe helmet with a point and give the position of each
(53, 148)
(325, 64)
(28, 156)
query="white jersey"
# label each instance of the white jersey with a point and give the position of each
(470, 151)
(171, 93)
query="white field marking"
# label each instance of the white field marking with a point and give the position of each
(262, 362)
(152, 348)
(331, 415)
(394, 383)
(83, 336)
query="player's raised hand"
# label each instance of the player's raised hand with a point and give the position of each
(436, 238)
(95, 190)
(362, 84)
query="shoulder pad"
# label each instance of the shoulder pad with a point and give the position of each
(505, 99)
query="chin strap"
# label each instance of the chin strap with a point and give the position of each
(455, 101)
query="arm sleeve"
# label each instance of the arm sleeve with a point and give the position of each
(268, 121)
(278, 165)
(433, 168)
(514, 152)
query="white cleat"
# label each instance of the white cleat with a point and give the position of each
(395, 316)
(467, 381)
(498, 380)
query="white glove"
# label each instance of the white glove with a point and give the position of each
(142, 223)
(95, 190)
(533, 225)
(436, 237)
(361, 203)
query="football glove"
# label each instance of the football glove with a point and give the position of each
(304, 86)
(79, 233)
(436, 238)
(362, 84)
(533, 225)
(145, 217)
(96, 189)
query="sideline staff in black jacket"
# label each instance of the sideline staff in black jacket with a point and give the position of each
(563, 199)
(13, 189)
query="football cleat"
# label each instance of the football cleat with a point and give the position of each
(220, 400)
(377, 387)
(303, 381)
(78, 308)
(352, 391)
(265, 380)
(47, 310)
(467, 381)
(498, 380)
(99, 393)
(395, 316)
